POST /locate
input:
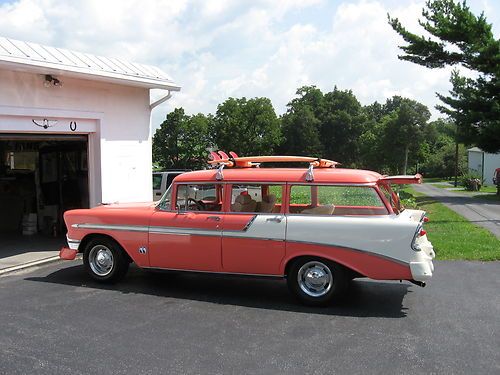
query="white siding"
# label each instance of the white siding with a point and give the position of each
(116, 117)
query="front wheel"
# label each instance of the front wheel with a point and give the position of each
(317, 282)
(104, 260)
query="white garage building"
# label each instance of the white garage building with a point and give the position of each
(75, 131)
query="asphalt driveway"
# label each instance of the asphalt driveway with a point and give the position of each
(480, 212)
(55, 320)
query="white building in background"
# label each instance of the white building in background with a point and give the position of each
(483, 164)
(75, 130)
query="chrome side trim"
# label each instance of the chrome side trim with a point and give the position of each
(215, 272)
(128, 228)
(185, 231)
(249, 224)
(238, 234)
(378, 255)
(227, 234)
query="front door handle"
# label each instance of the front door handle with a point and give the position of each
(216, 218)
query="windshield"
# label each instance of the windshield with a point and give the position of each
(165, 201)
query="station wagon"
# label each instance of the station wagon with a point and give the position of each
(318, 226)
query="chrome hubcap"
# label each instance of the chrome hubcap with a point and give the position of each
(101, 260)
(315, 278)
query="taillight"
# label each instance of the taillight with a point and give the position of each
(422, 232)
(426, 219)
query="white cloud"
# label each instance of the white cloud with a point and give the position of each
(221, 48)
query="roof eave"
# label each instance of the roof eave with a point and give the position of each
(82, 73)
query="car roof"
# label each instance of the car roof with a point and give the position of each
(298, 175)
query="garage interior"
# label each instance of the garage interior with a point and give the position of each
(41, 176)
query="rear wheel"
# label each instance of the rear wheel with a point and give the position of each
(316, 281)
(104, 260)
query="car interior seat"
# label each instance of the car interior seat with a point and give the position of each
(267, 204)
(327, 209)
(244, 203)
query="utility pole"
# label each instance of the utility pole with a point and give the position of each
(456, 155)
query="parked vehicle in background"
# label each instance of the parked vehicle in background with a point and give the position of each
(162, 181)
(318, 227)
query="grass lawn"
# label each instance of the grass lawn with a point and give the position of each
(453, 236)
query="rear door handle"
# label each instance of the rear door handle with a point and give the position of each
(276, 219)
(216, 218)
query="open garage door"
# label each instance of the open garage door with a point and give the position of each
(41, 176)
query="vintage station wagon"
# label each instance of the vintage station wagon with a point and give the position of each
(318, 227)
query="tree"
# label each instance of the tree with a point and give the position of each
(459, 38)
(393, 136)
(247, 127)
(182, 141)
(342, 123)
(301, 132)
(301, 123)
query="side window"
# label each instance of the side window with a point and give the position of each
(156, 181)
(335, 200)
(199, 197)
(256, 198)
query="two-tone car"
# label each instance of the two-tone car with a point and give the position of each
(319, 227)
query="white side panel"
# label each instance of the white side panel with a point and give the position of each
(388, 236)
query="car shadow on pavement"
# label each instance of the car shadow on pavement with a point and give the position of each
(365, 298)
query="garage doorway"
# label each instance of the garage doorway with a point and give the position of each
(41, 176)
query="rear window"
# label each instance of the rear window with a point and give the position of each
(335, 200)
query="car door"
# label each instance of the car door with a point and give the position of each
(188, 237)
(254, 230)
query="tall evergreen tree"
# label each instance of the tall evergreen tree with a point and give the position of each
(460, 38)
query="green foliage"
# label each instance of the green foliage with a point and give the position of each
(453, 236)
(458, 37)
(246, 126)
(326, 125)
(182, 141)
(407, 200)
(471, 181)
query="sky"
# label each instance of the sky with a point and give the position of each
(217, 49)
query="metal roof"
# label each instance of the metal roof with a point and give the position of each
(32, 57)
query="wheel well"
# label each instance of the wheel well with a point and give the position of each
(352, 272)
(90, 237)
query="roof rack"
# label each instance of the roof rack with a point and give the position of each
(235, 161)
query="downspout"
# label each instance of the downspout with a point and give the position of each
(161, 100)
(482, 167)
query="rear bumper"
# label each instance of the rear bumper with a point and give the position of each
(422, 271)
(67, 253)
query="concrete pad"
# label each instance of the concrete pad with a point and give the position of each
(29, 259)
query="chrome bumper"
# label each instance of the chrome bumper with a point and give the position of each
(73, 244)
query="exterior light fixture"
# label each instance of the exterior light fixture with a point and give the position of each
(51, 81)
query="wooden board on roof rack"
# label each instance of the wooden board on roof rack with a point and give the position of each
(250, 161)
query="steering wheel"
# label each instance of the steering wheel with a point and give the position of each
(199, 205)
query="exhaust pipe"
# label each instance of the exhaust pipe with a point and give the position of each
(419, 283)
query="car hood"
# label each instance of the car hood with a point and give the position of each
(127, 206)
